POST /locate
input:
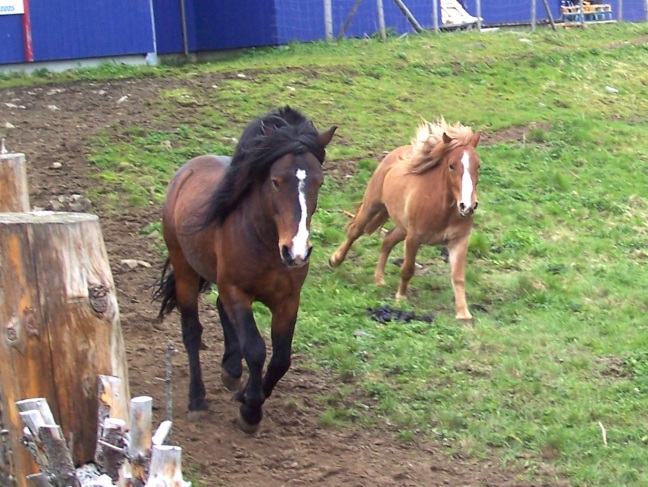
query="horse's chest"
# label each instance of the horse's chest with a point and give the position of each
(443, 234)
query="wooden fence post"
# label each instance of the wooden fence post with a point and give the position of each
(14, 195)
(59, 326)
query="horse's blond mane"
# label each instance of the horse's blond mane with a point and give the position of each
(428, 147)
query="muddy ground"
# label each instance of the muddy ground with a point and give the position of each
(53, 125)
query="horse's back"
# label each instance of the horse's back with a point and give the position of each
(375, 188)
(191, 185)
(188, 191)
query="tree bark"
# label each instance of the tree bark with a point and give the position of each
(59, 325)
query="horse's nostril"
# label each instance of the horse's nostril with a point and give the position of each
(476, 205)
(308, 254)
(285, 254)
(462, 206)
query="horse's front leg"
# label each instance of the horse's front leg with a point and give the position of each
(238, 308)
(458, 250)
(409, 265)
(282, 330)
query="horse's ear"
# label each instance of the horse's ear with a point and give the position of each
(325, 138)
(475, 138)
(446, 138)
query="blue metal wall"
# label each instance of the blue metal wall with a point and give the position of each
(63, 29)
(11, 39)
(518, 11)
(67, 29)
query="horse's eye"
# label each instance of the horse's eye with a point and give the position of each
(275, 183)
(452, 167)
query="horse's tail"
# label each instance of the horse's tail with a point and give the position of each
(377, 221)
(165, 290)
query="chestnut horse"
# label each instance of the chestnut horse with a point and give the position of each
(429, 189)
(243, 223)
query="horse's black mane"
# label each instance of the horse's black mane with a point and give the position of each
(266, 139)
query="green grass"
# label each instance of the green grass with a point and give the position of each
(557, 273)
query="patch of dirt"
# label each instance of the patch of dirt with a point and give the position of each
(52, 127)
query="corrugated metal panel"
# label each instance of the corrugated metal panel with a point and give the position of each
(300, 21)
(168, 25)
(62, 29)
(227, 24)
(11, 39)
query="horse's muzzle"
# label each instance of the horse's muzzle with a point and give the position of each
(465, 211)
(290, 261)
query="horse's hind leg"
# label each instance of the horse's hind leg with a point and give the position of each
(369, 218)
(409, 263)
(187, 292)
(394, 236)
(231, 368)
(457, 256)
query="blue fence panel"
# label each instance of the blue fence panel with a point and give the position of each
(510, 11)
(12, 43)
(299, 20)
(168, 26)
(73, 30)
(234, 24)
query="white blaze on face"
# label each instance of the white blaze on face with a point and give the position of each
(466, 181)
(300, 242)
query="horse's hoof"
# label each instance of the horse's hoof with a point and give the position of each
(229, 381)
(379, 281)
(197, 415)
(333, 262)
(246, 427)
(466, 317)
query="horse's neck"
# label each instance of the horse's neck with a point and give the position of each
(254, 222)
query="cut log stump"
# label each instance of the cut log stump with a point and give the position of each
(59, 327)
(14, 195)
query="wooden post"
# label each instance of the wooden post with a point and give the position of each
(59, 326)
(139, 449)
(14, 195)
(166, 468)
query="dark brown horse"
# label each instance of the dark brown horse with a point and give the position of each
(429, 189)
(243, 224)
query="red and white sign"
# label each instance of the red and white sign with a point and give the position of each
(12, 7)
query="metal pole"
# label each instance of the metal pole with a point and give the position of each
(408, 14)
(646, 9)
(582, 13)
(533, 15)
(548, 10)
(381, 20)
(435, 15)
(328, 20)
(479, 16)
(620, 18)
(183, 17)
